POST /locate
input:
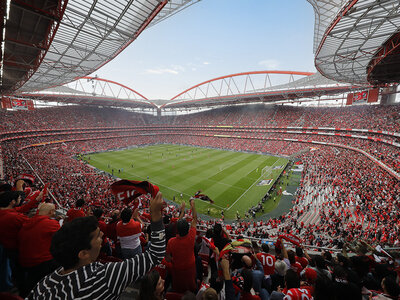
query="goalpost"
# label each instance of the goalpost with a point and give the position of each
(265, 170)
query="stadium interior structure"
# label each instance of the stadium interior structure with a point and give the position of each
(342, 124)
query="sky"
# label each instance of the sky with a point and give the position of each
(214, 38)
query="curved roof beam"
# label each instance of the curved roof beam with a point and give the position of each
(116, 83)
(93, 91)
(243, 74)
(243, 88)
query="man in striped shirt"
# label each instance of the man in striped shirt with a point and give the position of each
(76, 247)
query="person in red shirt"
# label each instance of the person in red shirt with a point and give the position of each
(76, 212)
(11, 220)
(34, 240)
(128, 232)
(12, 217)
(105, 246)
(293, 264)
(180, 251)
(302, 257)
(111, 230)
(267, 260)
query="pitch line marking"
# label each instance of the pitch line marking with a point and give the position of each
(250, 187)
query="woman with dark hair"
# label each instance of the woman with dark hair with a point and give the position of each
(152, 287)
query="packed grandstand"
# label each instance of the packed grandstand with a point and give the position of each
(71, 231)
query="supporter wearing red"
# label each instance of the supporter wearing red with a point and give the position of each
(34, 241)
(294, 265)
(292, 290)
(76, 212)
(11, 221)
(129, 232)
(111, 232)
(105, 247)
(180, 251)
(302, 257)
(12, 218)
(76, 247)
(267, 260)
(308, 277)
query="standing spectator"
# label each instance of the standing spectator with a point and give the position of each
(34, 241)
(76, 247)
(11, 221)
(267, 260)
(180, 251)
(302, 257)
(220, 237)
(76, 212)
(111, 232)
(105, 247)
(128, 232)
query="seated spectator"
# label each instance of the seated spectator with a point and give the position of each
(76, 212)
(129, 232)
(180, 251)
(34, 241)
(76, 247)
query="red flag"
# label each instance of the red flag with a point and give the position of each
(128, 190)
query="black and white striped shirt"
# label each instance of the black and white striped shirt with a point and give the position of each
(102, 281)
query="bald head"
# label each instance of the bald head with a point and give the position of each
(209, 294)
(47, 209)
(247, 262)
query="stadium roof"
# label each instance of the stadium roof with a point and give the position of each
(47, 43)
(240, 88)
(352, 38)
(92, 91)
(243, 88)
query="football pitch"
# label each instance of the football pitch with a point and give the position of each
(230, 179)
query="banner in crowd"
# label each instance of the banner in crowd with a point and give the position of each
(368, 96)
(19, 104)
(5, 102)
(128, 190)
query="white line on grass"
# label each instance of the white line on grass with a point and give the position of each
(250, 187)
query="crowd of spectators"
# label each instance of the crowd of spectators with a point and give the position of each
(343, 197)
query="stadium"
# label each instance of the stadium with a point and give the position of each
(286, 183)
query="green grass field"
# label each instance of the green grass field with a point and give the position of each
(229, 178)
